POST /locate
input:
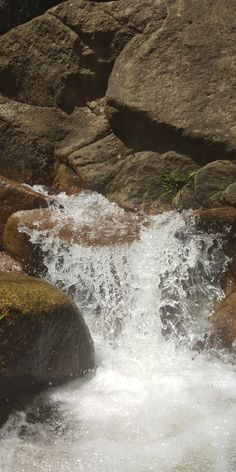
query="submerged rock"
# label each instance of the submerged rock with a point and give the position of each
(14, 197)
(120, 229)
(44, 340)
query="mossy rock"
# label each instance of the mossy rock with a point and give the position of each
(44, 340)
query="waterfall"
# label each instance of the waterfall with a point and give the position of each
(156, 401)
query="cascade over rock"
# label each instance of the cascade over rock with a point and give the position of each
(120, 229)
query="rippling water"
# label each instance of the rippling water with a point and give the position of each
(154, 403)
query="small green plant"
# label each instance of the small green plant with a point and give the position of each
(191, 175)
(1, 316)
(173, 183)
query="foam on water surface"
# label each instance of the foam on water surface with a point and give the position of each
(154, 403)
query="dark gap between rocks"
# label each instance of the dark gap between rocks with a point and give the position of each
(138, 132)
(16, 12)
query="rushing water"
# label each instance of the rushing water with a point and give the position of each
(154, 402)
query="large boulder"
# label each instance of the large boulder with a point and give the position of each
(133, 180)
(30, 134)
(44, 340)
(65, 56)
(148, 180)
(14, 197)
(211, 186)
(173, 88)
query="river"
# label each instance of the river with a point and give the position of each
(155, 401)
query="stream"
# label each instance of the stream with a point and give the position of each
(156, 401)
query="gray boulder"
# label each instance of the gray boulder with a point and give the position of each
(211, 186)
(173, 88)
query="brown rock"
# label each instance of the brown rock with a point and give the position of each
(44, 340)
(29, 136)
(221, 221)
(148, 180)
(8, 264)
(132, 180)
(65, 56)
(216, 219)
(14, 197)
(224, 321)
(67, 181)
(121, 229)
(173, 88)
(211, 186)
(98, 163)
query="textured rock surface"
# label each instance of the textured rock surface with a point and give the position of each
(14, 197)
(211, 186)
(8, 264)
(174, 88)
(149, 180)
(67, 181)
(171, 90)
(224, 321)
(43, 338)
(30, 134)
(15, 12)
(65, 56)
(99, 162)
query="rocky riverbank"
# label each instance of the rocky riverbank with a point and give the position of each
(134, 100)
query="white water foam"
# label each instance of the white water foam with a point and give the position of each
(154, 403)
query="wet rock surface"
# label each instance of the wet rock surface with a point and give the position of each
(44, 340)
(14, 197)
(8, 264)
(224, 322)
(121, 229)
